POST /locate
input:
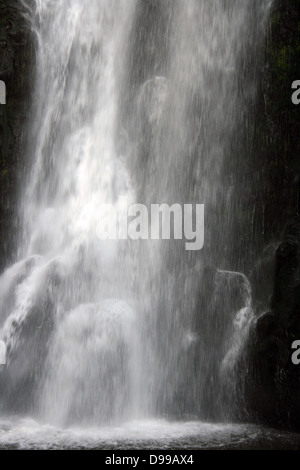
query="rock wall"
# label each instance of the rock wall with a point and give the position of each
(16, 70)
(269, 380)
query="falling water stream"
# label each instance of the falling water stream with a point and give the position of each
(135, 102)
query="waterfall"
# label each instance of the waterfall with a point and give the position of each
(135, 102)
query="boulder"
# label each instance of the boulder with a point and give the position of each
(272, 381)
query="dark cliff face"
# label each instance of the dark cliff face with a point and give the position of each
(16, 66)
(267, 173)
(272, 381)
(276, 161)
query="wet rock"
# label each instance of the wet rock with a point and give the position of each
(272, 382)
(16, 65)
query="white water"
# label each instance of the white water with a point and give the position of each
(99, 331)
(159, 434)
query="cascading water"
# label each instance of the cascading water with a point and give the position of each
(135, 102)
(71, 287)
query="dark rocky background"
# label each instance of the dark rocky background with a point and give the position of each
(267, 228)
(269, 381)
(16, 70)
